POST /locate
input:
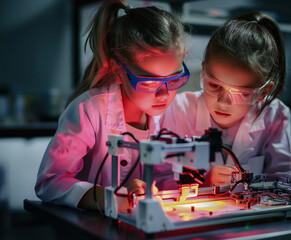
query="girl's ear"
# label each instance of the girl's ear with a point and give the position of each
(119, 75)
(266, 91)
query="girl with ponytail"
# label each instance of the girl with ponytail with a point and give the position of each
(243, 73)
(135, 72)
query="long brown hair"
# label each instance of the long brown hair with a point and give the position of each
(141, 30)
(255, 41)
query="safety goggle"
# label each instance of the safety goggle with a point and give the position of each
(237, 95)
(154, 84)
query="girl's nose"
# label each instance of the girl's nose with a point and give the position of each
(163, 91)
(224, 97)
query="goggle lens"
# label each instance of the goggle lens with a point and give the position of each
(154, 86)
(175, 84)
(237, 96)
(149, 86)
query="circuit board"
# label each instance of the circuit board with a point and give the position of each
(210, 209)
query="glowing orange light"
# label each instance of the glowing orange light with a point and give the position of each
(231, 89)
(186, 217)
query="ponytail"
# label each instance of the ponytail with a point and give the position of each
(98, 73)
(278, 70)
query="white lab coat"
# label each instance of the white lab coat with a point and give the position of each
(75, 153)
(261, 147)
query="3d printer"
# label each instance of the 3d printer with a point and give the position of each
(246, 197)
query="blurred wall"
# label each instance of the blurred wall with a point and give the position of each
(35, 62)
(35, 46)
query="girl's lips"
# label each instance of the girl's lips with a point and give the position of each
(159, 106)
(221, 114)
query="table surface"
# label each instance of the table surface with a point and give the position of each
(76, 223)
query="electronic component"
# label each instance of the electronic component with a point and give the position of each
(191, 205)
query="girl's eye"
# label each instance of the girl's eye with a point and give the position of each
(247, 95)
(214, 86)
(149, 86)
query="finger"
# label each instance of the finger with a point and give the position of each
(136, 184)
(227, 170)
(231, 167)
(221, 180)
(142, 184)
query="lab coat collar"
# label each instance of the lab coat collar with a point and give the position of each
(255, 125)
(115, 119)
(244, 140)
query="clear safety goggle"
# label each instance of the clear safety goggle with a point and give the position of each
(154, 84)
(237, 95)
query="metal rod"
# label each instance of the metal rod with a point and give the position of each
(148, 173)
(128, 145)
(115, 178)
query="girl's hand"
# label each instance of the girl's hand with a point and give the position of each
(219, 175)
(139, 187)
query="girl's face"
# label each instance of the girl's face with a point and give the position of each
(223, 111)
(151, 66)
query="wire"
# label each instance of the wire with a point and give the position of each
(97, 176)
(130, 171)
(224, 148)
(234, 158)
(203, 138)
(102, 164)
(167, 132)
(233, 187)
(126, 178)
(131, 135)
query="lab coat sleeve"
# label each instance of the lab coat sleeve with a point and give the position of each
(63, 158)
(278, 145)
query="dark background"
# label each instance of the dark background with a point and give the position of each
(41, 61)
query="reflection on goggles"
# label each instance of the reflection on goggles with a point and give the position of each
(237, 95)
(154, 84)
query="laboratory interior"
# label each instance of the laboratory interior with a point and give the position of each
(42, 60)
